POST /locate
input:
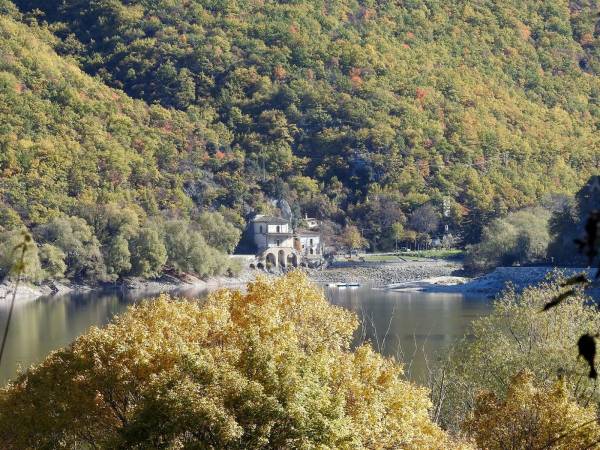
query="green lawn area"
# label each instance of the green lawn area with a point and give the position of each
(377, 258)
(444, 254)
(398, 257)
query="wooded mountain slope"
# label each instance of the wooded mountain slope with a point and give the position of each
(351, 110)
(102, 181)
(67, 140)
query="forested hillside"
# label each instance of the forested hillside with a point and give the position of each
(357, 111)
(102, 180)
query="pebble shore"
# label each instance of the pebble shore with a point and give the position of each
(382, 274)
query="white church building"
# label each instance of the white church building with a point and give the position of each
(278, 246)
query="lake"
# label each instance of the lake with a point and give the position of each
(416, 326)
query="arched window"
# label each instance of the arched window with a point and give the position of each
(311, 251)
(311, 242)
(278, 228)
(261, 229)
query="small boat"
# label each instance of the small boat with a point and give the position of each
(340, 285)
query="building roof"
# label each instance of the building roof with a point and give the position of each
(303, 232)
(270, 219)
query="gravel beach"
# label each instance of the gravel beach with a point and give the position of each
(491, 283)
(382, 274)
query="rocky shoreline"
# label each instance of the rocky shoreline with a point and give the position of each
(427, 275)
(373, 274)
(166, 283)
(491, 283)
(383, 274)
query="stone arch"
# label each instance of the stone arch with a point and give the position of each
(271, 260)
(281, 259)
(292, 260)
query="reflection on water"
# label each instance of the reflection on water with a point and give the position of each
(48, 323)
(425, 322)
(415, 327)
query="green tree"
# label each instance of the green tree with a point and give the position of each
(186, 92)
(567, 223)
(217, 232)
(148, 253)
(10, 252)
(521, 237)
(352, 238)
(425, 219)
(117, 258)
(397, 233)
(52, 261)
(187, 250)
(76, 239)
(410, 236)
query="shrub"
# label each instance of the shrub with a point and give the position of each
(532, 416)
(269, 368)
(9, 218)
(236, 266)
(517, 336)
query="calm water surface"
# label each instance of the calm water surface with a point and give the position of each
(417, 324)
(415, 327)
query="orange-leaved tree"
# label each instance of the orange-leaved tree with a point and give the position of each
(268, 368)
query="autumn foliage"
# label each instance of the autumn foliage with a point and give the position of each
(269, 368)
(483, 107)
(532, 417)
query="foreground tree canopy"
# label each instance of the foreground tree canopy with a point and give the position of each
(271, 368)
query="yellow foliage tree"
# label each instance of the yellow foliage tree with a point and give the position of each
(532, 417)
(352, 238)
(269, 368)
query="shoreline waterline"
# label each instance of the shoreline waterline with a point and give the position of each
(439, 275)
